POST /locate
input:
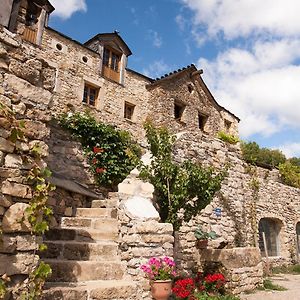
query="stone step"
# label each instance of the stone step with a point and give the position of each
(101, 224)
(74, 271)
(96, 212)
(98, 290)
(83, 235)
(72, 250)
(106, 203)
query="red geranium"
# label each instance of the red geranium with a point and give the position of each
(100, 170)
(98, 150)
(184, 288)
(94, 160)
(214, 282)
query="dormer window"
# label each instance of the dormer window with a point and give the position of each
(111, 64)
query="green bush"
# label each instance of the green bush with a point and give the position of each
(253, 154)
(186, 187)
(229, 138)
(111, 153)
(290, 174)
(269, 285)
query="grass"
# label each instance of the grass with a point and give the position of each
(291, 269)
(269, 285)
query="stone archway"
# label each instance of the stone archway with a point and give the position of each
(269, 236)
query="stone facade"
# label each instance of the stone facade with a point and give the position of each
(41, 80)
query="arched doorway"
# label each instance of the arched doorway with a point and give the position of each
(269, 231)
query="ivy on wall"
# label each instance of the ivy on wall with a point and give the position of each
(111, 153)
(182, 190)
(38, 213)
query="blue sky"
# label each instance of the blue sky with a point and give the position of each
(249, 52)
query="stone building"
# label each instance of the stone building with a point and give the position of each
(44, 73)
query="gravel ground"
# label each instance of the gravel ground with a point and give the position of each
(291, 282)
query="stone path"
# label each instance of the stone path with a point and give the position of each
(291, 282)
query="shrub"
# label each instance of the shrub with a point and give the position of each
(229, 138)
(290, 174)
(111, 153)
(186, 187)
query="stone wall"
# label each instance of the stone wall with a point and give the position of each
(241, 207)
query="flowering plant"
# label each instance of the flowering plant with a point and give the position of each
(159, 268)
(184, 288)
(214, 282)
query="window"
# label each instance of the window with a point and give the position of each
(111, 64)
(178, 110)
(227, 125)
(90, 94)
(128, 110)
(202, 121)
(190, 88)
(269, 230)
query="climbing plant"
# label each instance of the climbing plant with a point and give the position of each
(228, 138)
(37, 214)
(182, 190)
(111, 153)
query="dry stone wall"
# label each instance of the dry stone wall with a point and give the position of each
(241, 207)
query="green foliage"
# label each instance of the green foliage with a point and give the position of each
(3, 288)
(34, 287)
(200, 234)
(205, 296)
(290, 174)
(253, 154)
(295, 161)
(269, 285)
(286, 269)
(228, 138)
(38, 212)
(186, 188)
(111, 153)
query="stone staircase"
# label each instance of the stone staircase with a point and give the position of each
(83, 254)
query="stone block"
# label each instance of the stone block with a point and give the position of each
(16, 189)
(19, 108)
(8, 244)
(27, 242)
(13, 161)
(36, 130)
(153, 227)
(5, 100)
(17, 264)
(6, 146)
(157, 239)
(42, 146)
(12, 220)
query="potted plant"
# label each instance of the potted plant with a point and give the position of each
(161, 272)
(203, 237)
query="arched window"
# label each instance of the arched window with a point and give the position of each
(269, 231)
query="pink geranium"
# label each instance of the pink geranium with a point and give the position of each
(159, 268)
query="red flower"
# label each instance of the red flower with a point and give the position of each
(94, 161)
(184, 288)
(100, 170)
(98, 150)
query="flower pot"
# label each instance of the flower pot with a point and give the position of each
(161, 289)
(201, 244)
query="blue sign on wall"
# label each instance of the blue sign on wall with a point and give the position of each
(218, 212)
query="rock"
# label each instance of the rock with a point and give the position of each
(140, 208)
(41, 146)
(16, 189)
(48, 78)
(8, 244)
(19, 108)
(5, 200)
(17, 264)
(3, 64)
(1, 158)
(27, 242)
(13, 161)
(36, 130)
(2, 210)
(3, 51)
(6, 146)
(5, 100)
(12, 220)
(153, 227)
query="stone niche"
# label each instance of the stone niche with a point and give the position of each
(242, 267)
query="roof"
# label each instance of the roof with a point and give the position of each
(45, 4)
(113, 36)
(193, 70)
(140, 74)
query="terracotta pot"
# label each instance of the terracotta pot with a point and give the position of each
(201, 244)
(161, 289)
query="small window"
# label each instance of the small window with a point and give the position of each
(84, 59)
(190, 88)
(202, 119)
(227, 125)
(59, 46)
(128, 110)
(178, 111)
(90, 94)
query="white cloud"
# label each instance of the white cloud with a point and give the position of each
(155, 38)
(260, 85)
(156, 69)
(290, 149)
(64, 9)
(237, 18)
